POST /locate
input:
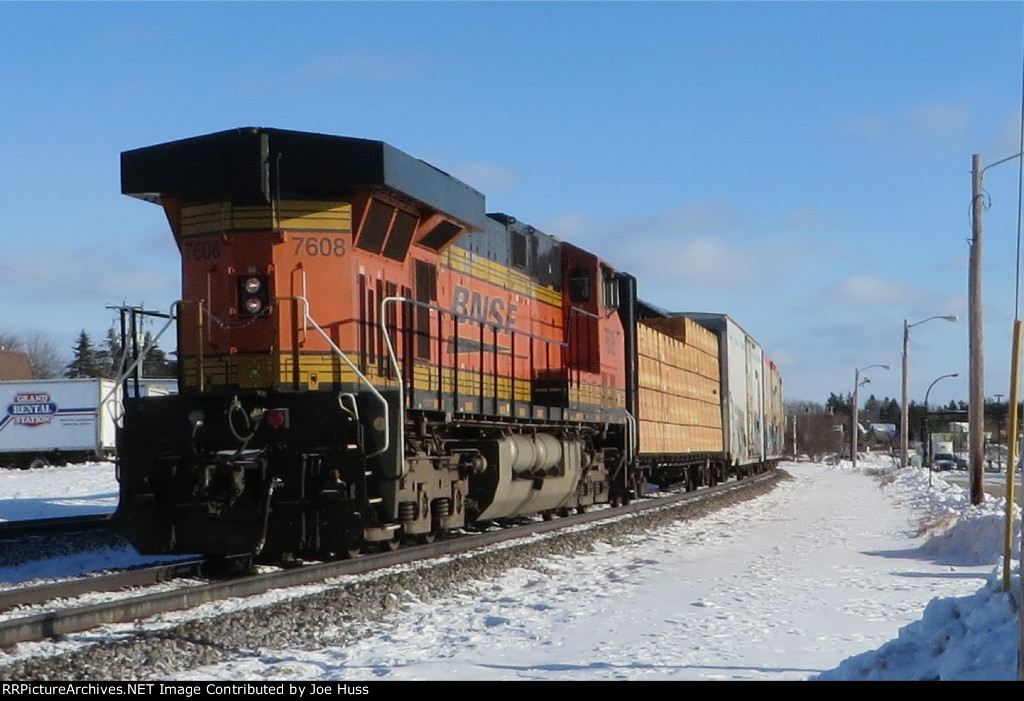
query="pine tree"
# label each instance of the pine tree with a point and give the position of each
(872, 408)
(87, 362)
(112, 352)
(839, 404)
(156, 364)
(890, 413)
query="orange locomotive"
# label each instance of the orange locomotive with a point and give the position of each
(366, 356)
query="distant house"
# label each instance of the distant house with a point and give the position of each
(14, 366)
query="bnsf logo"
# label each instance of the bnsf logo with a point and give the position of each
(492, 310)
(31, 409)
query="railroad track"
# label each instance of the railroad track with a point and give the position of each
(53, 526)
(52, 619)
(96, 584)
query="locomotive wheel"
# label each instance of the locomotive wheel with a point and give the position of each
(547, 515)
(389, 546)
(421, 538)
(222, 567)
(636, 487)
(352, 552)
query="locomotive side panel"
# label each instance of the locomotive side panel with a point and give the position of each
(503, 326)
(595, 376)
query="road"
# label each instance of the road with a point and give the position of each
(995, 483)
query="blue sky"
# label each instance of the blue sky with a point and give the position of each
(801, 166)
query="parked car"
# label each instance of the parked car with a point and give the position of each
(943, 462)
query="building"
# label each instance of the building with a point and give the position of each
(14, 366)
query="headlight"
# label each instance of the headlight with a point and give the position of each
(253, 295)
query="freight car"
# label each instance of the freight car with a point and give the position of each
(366, 357)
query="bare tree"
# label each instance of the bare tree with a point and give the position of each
(819, 430)
(43, 357)
(10, 341)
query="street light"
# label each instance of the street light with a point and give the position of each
(855, 429)
(904, 408)
(928, 442)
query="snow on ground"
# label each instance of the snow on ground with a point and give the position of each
(53, 492)
(835, 575)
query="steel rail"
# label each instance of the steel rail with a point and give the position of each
(49, 526)
(77, 619)
(91, 584)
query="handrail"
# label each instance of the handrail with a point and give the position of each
(394, 365)
(307, 317)
(631, 447)
(631, 430)
(392, 356)
(125, 372)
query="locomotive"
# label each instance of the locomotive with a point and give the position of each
(366, 357)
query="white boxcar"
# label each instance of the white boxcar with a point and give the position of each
(57, 421)
(160, 387)
(752, 412)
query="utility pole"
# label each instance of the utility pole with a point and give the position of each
(976, 409)
(904, 406)
(976, 403)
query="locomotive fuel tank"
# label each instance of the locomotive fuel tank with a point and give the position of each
(525, 474)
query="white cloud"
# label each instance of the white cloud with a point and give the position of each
(939, 120)
(860, 291)
(865, 293)
(813, 219)
(53, 275)
(703, 245)
(349, 65)
(915, 131)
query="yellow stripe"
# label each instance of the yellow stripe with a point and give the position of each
(291, 215)
(320, 369)
(463, 261)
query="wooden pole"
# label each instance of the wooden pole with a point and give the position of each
(976, 403)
